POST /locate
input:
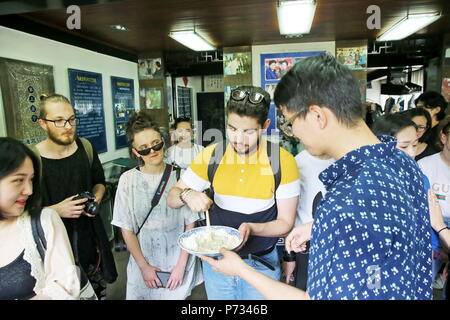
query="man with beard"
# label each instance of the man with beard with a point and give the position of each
(68, 169)
(370, 238)
(244, 192)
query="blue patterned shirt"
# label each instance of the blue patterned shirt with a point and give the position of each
(371, 234)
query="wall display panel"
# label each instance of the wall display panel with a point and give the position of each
(86, 95)
(150, 69)
(184, 99)
(22, 84)
(354, 58)
(122, 91)
(273, 67)
(237, 63)
(151, 98)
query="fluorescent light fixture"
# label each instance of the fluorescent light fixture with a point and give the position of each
(192, 40)
(295, 17)
(409, 25)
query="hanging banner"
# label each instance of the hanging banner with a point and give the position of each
(122, 91)
(86, 95)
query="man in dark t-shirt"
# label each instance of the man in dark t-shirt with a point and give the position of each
(67, 171)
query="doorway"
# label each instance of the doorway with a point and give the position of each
(211, 113)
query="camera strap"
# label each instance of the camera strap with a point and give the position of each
(159, 192)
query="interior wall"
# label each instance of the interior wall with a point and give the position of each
(23, 46)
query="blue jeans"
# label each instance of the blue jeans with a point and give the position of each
(437, 263)
(221, 287)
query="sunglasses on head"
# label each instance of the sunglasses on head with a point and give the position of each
(147, 151)
(253, 97)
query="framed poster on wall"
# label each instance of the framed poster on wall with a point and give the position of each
(22, 84)
(184, 99)
(86, 95)
(273, 67)
(122, 91)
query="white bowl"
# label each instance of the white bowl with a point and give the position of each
(222, 229)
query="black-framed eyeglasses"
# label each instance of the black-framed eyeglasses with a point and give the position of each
(61, 123)
(253, 97)
(147, 151)
(286, 127)
(422, 127)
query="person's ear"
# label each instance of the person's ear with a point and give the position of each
(266, 124)
(43, 124)
(319, 116)
(442, 138)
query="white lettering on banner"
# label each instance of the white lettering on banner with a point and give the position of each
(373, 21)
(73, 21)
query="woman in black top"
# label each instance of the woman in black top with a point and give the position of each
(422, 119)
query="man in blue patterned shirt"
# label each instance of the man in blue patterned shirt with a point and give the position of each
(370, 237)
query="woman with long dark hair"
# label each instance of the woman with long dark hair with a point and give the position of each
(23, 274)
(422, 119)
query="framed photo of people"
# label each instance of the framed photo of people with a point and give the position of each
(150, 69)
(273, 67)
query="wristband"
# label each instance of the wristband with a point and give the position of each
(442, 230)
(288, 257)
(183, 193)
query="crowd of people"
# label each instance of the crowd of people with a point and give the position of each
(364, 209)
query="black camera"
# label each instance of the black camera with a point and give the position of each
(90, 206)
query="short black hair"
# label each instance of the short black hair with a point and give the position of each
(246, 108)
(12, 155)
(272, 61)
(180, 120)
(431, 100)
(419, 112)
(392, 124)
(321, 80)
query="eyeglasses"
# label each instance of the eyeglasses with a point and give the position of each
(287, 126)
(253, 97)
(147, 151)
(61, 123)
(421, 128)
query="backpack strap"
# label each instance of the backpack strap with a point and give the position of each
(273, 152)
(214, 161)
(38, 233)
(88, 147)
(177, 172)
(158, 193)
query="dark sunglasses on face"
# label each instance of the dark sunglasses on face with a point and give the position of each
(147, 151)
(253, 97)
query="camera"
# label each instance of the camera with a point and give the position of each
(90, 206)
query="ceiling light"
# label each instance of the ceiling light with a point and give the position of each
(408, 25)
(192, 40)
(295, 17)
(119, 27)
